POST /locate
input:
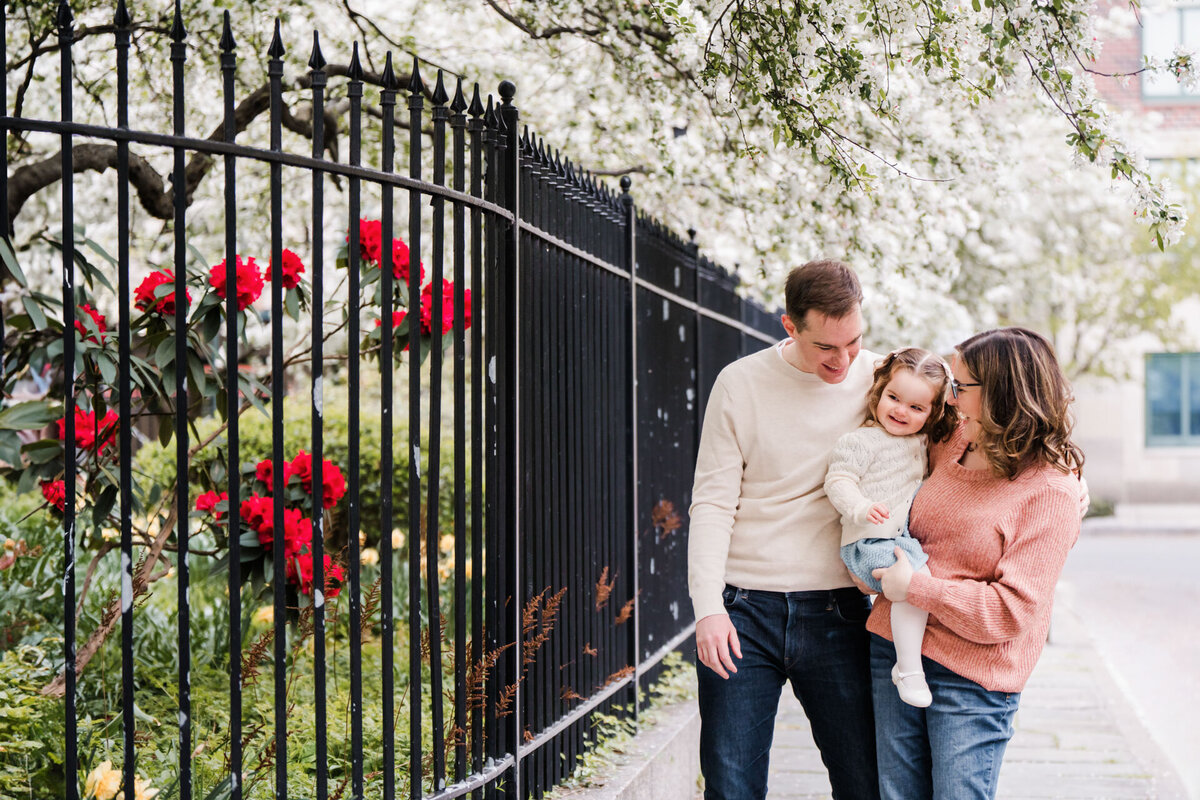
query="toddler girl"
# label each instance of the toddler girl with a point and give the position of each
(874, 472)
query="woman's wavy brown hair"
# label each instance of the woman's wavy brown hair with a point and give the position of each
(1024, 416)
(925, 365)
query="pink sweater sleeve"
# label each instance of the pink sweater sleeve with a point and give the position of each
(1037, 536)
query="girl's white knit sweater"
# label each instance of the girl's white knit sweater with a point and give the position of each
(869, 466)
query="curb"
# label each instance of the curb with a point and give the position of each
(662, 762)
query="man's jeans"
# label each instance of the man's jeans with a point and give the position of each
(949, 751)
(818, 641)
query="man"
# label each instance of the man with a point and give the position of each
(772, 598)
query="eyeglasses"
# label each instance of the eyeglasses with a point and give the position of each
(955, 386)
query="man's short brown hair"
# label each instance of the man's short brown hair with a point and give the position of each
(828, 287)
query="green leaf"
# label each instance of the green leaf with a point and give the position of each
(43, 451)
(104, 504)
(291, 303)
(27, 416)
(164, 354)
(36, 315)
(10, 261)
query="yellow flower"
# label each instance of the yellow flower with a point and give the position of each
(103, 782)
(141, 791)
(369, 556)
(9, 544)
(446, 543)
(397, 539)
(264, 616)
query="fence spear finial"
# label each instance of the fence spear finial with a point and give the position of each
(459, 104)
(121, 18)
(227, 42)
(178, 33)
(439, 91)
(415, 85)
(390, 83)
(316, 62)
(276, 50)
(64, 18)
(355, 70)
(476, 108)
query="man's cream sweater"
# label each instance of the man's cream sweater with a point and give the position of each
(759, 516)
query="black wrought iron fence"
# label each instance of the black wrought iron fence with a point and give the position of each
(532, 570)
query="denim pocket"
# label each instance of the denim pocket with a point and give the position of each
(852, 607)
(732, 595)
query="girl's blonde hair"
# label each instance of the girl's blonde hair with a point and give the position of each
(925, 365)
(1025, 399)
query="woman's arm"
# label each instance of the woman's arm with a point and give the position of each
(1038, 538)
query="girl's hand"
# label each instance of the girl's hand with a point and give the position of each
(878, 514)
(896, 578)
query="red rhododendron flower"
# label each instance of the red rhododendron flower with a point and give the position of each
(90, 433)
(258, 512)
(447, 307)
(370, 238)
(249, 281)
(145, 299)
(332, 482)
(265, 472)
(292, 268)
(370, 247)
(300, 570)
(55, 493)
(400, 262)
(295, 532)
(208, 502)
(97, 317)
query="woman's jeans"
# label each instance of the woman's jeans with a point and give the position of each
(949, 751)
(818, 641)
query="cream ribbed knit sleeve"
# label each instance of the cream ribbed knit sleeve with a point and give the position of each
(718, 483)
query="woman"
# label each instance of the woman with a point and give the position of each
(996, 516)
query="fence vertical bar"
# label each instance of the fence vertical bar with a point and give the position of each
(121, 24)
(278, 482)
(316, 64)
(387, 102)
(432, 533)
(478, 641)
(494, 598)
(458, 126)
(416, 103)
(354, 92)
(179, 192)
(629, 255)
(66, 35)
(232, 414)
(3, 160)
(507, 369)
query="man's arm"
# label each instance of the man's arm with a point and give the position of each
(716, 493)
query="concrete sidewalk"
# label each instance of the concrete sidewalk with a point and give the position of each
(1077, 736)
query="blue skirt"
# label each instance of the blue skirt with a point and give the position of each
(869, 554)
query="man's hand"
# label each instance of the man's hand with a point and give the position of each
(715, 637)
(878, 513)
(896, 578)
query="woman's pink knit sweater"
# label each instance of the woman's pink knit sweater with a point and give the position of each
(996, 548)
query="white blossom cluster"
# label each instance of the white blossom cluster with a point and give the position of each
(935, 160)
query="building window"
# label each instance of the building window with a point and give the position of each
(1164, 30)
(1172, 399)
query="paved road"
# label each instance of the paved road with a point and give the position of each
(1138, 596)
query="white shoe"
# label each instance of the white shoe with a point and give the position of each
(912, 687)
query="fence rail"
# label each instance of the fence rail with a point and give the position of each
(579, 339)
